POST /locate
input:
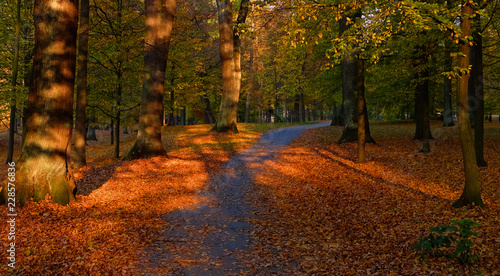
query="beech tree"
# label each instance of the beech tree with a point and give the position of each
(44, 168)
(159, 20)
(472, 190)
(230, 53)
(352, 84)
(15, 70)
(81, 87)
(230, 93)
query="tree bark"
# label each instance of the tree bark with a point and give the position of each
(448, 112)
(251, 83)
(159, 21)
(478, 92)
(15, 70)
(112, 131)
(79, 157)
(44, 167)
(422, 114)
(350, 78)
(91, 136)
(183, 116)
(361, 109)
(230, 52)
(207, 114)
(472, 190)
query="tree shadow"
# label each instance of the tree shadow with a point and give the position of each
(94, 177)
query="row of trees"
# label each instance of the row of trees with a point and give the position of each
(293, 60)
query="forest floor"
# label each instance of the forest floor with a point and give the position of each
(313, 210)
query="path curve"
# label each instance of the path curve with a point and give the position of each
(211, 235)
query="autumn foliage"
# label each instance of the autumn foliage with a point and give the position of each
(319, 212)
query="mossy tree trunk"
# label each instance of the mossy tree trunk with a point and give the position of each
(44, 165)
(159, 20)
(472, 190)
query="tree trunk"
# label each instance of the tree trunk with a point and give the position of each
(159, 21)
(112, 131)
(44, 165)
(15, 70)
(348, 90)
(478, 89)
(337, 115)
(230, 48)
(351, 77)
(183, 116)
(472, 189)
(90, 136)
(79, 157)
(361, 107)
(250, 83)
(448, 110)
(207, 114)
(422, 120)
(117, 132)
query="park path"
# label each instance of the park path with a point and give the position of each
(208, 239)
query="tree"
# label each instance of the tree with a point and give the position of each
(159, 20)
(15, 70)
(352, 76)
(81, 87)
(476, 90)
(44, 166)
(422, 120)
(472, 190)
(230, 88)
(448, 65)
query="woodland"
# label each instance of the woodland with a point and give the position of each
(118, 117)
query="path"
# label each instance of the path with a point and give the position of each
(210, 236)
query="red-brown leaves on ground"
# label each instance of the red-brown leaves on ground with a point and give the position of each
(117, 211)
(322, 213)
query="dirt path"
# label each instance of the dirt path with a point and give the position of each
(208, 239)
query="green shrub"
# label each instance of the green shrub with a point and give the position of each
(444, 238)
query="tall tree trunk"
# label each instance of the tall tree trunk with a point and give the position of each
(207, 114)
(79, 157)
(351, 76)
(337, 119)
(44, 165)
(118, 115)
(171, 118)
(183, 116)
(230, 48)
(448, 112)
(361, 108)
(159, 21)
(15, 70)
(112, 131)
(472, 189)
(478, 92)
(448, 67)
(422, 114)
(250, 83)
(91, 136)
(117, 132)
(348, 90)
